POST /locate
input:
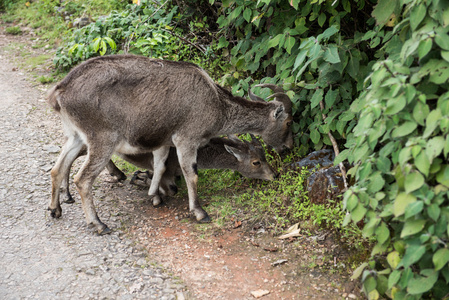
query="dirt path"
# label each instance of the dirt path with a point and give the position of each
(47, 259)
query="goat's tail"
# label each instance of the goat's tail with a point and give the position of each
(53, 96)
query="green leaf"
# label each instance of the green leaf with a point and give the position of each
(96, 44)
(359, 270)
(413, 181)
(424, 47)
(300, 59)
(327, 33)
(321, 19)
(413, 254)
(442, 40)
(401, 202)
(395, 105)
(382, 233)
(432, 121)
(376, 183)
(274, 42)
(434, 212)
(289, 43)
(404, 129)
(411, 227)
(443, 176)
(342, 156)
(103, 47)
(383, 10)
(440, 258)
(331, 55)
(434, 147)
(420, 112)
(247, 14)
(223, 42)
(421, 284)
(393, 259)
(383, 164)
(358, 213)
(316, 98)
(330, 98)
(315, 136)
(394, 278)
(422, 163)
(111, 42)
(417, 15)
(445, 55)
(414, 209)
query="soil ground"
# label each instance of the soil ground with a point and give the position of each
(235, 261)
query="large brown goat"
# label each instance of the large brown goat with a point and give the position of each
(133, 104)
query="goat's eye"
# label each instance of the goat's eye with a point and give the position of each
(256, 163)
(289, 123)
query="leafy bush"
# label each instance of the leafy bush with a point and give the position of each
(400, 149)
(396, 65)
(144, 30)
(316, 48)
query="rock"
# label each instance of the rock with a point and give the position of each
(322, 158)
(325, 181)
(51, 148)
(259, 293)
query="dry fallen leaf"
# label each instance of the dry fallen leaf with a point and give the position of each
(273, 249)
(293, 231)
(279, 262)
(259, 293)
(237, 224)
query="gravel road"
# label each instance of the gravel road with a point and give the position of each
(44, 258)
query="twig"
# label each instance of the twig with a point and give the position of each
(185, 40)
(334, 144)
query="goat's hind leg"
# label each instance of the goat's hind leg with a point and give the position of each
(160, 156)
(61, 171)
(97, 158)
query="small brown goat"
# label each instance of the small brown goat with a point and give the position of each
(248, 158)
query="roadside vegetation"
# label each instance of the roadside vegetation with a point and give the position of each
(373, 75)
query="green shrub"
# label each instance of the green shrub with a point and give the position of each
(316, 49)
(144, 30)
(400, 149)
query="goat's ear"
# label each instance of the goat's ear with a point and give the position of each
(234, 151)
(278, 112)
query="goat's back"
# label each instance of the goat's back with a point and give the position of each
(145, 100)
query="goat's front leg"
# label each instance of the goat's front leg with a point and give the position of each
(159, 156)
(189, 167)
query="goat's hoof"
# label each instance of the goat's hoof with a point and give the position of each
(69, 200)
(55, 213)
(206, 219)
(105, 230)
(156, 199)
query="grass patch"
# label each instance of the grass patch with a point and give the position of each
(35, 61)
(14, 30)
(46, 79)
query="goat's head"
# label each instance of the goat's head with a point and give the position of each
(251, 157)
(278, 133)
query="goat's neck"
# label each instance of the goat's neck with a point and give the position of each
(249, 118)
